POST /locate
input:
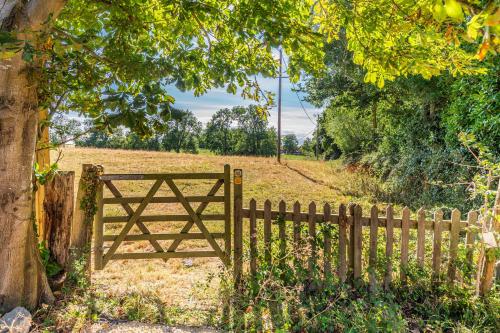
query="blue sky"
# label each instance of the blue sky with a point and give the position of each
(294, 120)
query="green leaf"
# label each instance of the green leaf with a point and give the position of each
(438, 11)
(454, 10)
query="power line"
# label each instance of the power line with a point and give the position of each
(306, 135)
(298, 97)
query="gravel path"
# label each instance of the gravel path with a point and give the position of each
(133, 327)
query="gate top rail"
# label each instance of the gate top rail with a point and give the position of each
(156, 176)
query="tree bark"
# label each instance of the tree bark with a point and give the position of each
(22, 276)
(58, 216)
(42, 157)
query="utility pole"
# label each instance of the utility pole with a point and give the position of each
(317, 137)
(279, 106)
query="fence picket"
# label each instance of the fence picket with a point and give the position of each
(454, 235)
(405, 237)
(349, 263)
(469, 241)
(350, 244)
(253, 238)
(421, 237)
(312, 237)
(238, 226)
(282, 232)
(327, 260)
(296, 230)
(358, 242)
(342, 269)
(436, 250)
(373, 247)
(267, 231)
(389, 246)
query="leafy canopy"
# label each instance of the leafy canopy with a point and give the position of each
(116, 61)
(392, 38)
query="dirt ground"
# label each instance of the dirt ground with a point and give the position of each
(134, 327)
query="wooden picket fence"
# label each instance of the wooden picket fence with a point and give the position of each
(350, 222)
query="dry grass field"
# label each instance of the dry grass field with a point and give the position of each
(180, 285)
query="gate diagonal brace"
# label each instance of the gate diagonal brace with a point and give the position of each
(133, 219)
(142, 227)
(197, 221)
(187, 227)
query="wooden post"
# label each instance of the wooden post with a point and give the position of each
(421, 237)
(436, 250)
(350, 245)
(312, 238)
(327, 256)
(282, 232)
(389, 228)
(469, 240)
(81, 230)
(238, 226)
(296, 230)
(454, 236)
(373, 248)
(99, 229)
(253, 238)
(405, 238)
(227, 211)
(342, 265)
(490, 248)
(357, 240)
(58, 209)
(267, 231)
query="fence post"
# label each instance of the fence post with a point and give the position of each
(490, 248)
(297, 244)
(227, 211)
(253, 238)
(405, 238)
(81, 230)
(469, 240)
(421, 237)
(350, 244)
(358, 245)
(454, 238)
(267, 231)
(389, 249)
(99, 229)
(282, 232)
(312, 239)
(327, 258)
(342, 269)
(58, 207)
(238, 226)
(436, 248)
(373, 248)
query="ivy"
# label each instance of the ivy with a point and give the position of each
(90, 185)
(51, 267)
(42, 176)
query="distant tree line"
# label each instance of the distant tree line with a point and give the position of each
(236, 131)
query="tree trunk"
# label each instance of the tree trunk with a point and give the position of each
(22, 276)
(42, 157)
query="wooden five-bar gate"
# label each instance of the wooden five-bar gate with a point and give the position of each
(348, 221)
(137, 217)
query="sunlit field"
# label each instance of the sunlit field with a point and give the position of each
(181, 284)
